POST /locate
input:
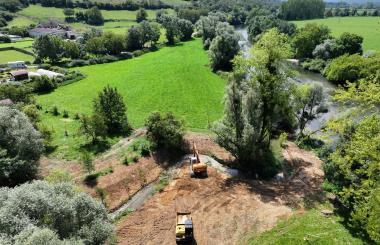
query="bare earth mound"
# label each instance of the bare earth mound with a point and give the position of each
(223, 209)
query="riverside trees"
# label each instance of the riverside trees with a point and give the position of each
(257, 100)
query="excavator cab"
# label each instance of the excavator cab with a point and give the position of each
(197, 168)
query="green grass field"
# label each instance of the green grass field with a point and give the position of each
(117, 21)
(175, 79)
(309, 228)
(12, 55)
(367, 27)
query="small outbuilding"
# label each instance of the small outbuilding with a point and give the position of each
(19, 75)
(17, 65)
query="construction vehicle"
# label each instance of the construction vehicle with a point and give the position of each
(184, 228)
(197, 168)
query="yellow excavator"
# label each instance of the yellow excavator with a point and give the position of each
(197, 168)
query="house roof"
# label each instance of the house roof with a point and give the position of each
(19, 73)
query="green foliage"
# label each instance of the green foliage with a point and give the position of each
(94, 17)
(20, 148)
(32, 113)
(87, 162)
(345, 68)
(40, 213)
(308, 37)
(206, 26)
(163, 182)
(43, 84)
(141, 15)
(111, 108)
(17, 93)
(165, 131)
(314, 65)
(72, 50)
(186, 29)
(170, 23)
(55, 111)
(59, 176)
(102, 194)
(302, 9)
(223, 47)
(256, 101)
(310, 227)
(259, 24)
(49, 47)
(93, 127)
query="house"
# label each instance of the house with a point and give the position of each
(41, 31)
(19, 75)
(49, 74)
(17, 65)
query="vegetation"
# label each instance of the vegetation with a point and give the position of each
(20, 148)
(165, 131)
(256, 101)
(74, 217)
(363, 26)
(173, 77)
(12, 55)
(302, 9)
(308, 228)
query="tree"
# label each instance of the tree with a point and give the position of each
(327, 50)
(256, 100)
(224, 47)
(21, 146)
(186, 29)
(308, 37)
(141, 15)
(345, 68)
(135, 38)
(41, 213)
(261, 23)
(87, 162)
(72, 50)
(206, 26)
(350, 43)
(49, 47)
(113, 43)
(150, 32)
(43, 84)
(165, 131)
(110, 106)
(94, 17)
(96, 46)
(93, 127)
(170, 23)
(308, 105)
(69, 14)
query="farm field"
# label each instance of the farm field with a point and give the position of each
(24, 44)
(12, 55)
(367, 27)
(175, 79)
(117, 21)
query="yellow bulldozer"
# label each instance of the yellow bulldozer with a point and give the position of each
(197, 168)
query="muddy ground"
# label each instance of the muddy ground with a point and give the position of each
(224, 209)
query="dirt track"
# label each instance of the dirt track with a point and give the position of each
(223, 209)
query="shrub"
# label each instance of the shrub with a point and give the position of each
(65, 114)
(40, 213)
(55, 111)
(165, 131)
(314, 65)
(345, 68)
(20, 148)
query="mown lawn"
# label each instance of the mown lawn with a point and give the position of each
(308, 228)
(176, 79)
(367, 27)
(12, 55)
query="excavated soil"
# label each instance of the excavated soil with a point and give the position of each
(224, 210)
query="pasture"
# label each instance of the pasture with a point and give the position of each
(367, 27)
(176, 79)
(13, 55)
(117, 21)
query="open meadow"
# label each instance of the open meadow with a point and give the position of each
(176, 79)
(367, 27)
(13, 55)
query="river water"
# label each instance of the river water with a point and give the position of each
(302, 77)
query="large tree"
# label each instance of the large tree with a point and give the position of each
(257, 98)
(94, 17)
(20, 147)
(110, 106)
(302, 9)
(49, 47)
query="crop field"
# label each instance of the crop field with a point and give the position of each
(367, 27)
(12, 55)
(117, 21)
(175, 79)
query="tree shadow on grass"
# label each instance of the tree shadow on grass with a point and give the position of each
(96, 148)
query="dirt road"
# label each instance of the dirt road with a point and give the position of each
(224, 209)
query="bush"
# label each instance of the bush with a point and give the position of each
(43, 84)
(345, 68)
(314, 65)
(165, 131)
(5, 39)
(65, 114)
(40, 213)
(55, 111)
(20, 148)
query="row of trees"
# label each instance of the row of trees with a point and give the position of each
(92, 16)
(302, 9)
(338, 12)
